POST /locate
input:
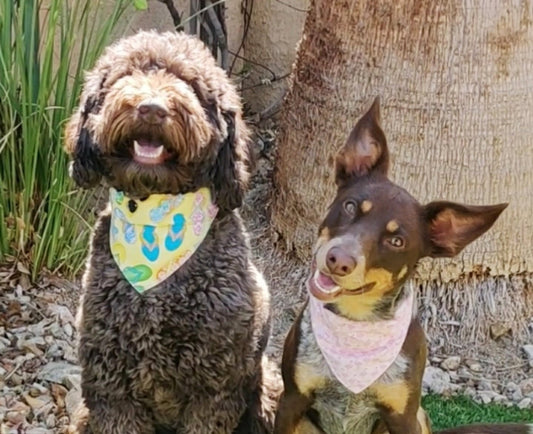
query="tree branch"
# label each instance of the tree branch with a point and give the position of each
(174, 13)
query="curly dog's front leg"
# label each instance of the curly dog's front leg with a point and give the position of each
(116, 417)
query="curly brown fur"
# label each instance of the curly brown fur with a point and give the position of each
(187, 355)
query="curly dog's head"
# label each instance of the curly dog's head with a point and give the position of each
(157, 115)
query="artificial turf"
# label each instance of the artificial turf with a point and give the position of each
(461, 410)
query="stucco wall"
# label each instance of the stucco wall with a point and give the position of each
(276, 27)
(158, 17)
(275, 30)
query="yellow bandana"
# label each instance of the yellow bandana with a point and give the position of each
(150, 239)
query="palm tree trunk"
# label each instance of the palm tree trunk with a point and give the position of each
(456, 85)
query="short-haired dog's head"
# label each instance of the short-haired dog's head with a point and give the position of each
(375, 231)
(157, 115)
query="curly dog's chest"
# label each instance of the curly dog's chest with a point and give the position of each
(196, 327)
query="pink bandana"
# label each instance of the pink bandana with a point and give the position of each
(359, 352)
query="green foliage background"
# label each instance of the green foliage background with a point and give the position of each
(45, 47)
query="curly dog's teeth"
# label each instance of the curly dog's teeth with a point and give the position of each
(147, 151)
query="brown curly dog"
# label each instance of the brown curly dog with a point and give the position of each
(159, 117)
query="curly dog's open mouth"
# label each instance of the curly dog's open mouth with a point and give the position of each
(149, 151)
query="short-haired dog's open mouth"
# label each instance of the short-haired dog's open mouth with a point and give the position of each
(324, 288)
(149, 152)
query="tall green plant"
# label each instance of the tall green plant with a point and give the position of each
(45, 46)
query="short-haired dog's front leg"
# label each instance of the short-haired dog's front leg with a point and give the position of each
(291, 416)
(299, 382)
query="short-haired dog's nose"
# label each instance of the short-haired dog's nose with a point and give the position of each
(339, 262)
(152, 112)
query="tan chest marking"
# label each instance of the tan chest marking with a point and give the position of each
(393, 395)
(307, 379)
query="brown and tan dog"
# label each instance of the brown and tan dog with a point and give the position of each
(354, 359)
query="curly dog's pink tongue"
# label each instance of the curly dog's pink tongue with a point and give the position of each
(147, 152)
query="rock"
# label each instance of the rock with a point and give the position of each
(525, 403)
(72, 381)
(56, 372)
(61, 349)
(470, 392)
(486, 396)
(51, 421)
(61, 312)
(500, 399)
(498, 329)
(58, 392)
(484, 385)
(451, 363)
(513, 392)
(39, 329)
(474, 366)
(454, 377)
(526, 386)
(46, 409)
(32, 344)
(57, 331)
(72, 400)
(38, 402)
(435, 380)
(17, 413)
(528, 349)
(39, 430)
(15, 380)
(37, 390)
(68, 330)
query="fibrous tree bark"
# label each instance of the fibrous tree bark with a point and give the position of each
(456, 86)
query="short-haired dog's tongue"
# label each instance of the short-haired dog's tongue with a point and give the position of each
(322, 286)
(147, 152)
(325, 282)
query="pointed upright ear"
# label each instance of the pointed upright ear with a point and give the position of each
(452, 226)
(86, 166)
(365, 150)
(230, 172)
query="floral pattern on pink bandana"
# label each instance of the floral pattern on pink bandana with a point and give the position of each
(359, 352)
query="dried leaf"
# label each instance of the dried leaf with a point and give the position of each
(22, 268)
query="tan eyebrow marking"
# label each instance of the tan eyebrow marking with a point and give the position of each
(392, 226)
(366, 206)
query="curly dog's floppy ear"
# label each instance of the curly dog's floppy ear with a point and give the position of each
(86, 166)
(230, 171)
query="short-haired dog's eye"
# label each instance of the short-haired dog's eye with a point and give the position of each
(396, 242)
(350, 207)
